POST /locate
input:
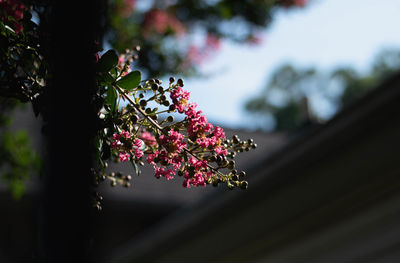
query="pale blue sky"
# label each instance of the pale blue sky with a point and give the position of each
(326, 34)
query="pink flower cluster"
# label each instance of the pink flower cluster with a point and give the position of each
(200, 131)
(169, 155)
(159, 21)
(201, 173)
(12, 8)
(198, 126)
(127, 147)
(148, 139)
(196, 55)
(180, 99)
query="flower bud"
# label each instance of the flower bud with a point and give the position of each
(143, 103)
(235, 177)
(244, 185)
(154, 86)
(134, 118)
(171, 80)
(180, 82)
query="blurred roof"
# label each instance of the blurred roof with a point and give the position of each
(330, 195)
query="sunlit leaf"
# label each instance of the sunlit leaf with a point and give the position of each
(130, 81)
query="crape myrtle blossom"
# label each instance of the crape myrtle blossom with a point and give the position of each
(192, 148)
(148, 138)
(169, 155)
(159, 21)
(126, 147)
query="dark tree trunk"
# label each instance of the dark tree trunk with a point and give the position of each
(70, 124)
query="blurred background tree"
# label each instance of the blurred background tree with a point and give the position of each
(176, 36)
(17, 159)
(293, 95)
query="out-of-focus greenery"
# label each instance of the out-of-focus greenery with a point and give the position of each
(17, 159)
(288, 98)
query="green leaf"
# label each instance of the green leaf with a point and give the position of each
(115, 72)
(111, 98)
(108, 78)
(108, 61)
(130, 81)
(135, 167)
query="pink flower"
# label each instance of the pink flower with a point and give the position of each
(138, 143)
(191, 110)
(198, 125)
(197, 180)
(123, 156)
(159, 21)
(160, 171)
(180, 99)
(150, 157)
(173, 141)
(198, 164)
(300, 3)
(219, 133)
(138, 153)
(221, 151)
(148, 139)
